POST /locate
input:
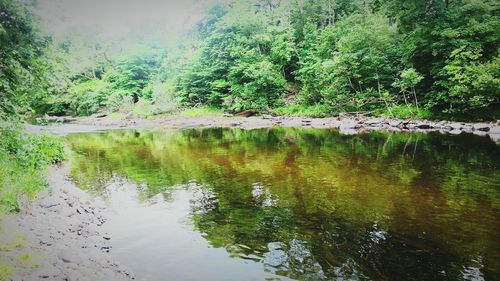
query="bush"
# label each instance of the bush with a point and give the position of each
(23, 162)
(119, 102)
(88, 97)
(163, 98)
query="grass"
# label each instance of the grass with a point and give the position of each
(301, 110)
(200, 111)
(403, 112)
(5, 272)
(24, 160)
(116, 115)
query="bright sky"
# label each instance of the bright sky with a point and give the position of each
(116, 17)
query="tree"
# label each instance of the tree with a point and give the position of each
(25, 72)
(408, 79)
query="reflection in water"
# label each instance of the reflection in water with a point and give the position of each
(301, 203)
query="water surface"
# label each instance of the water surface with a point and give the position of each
(296, 204)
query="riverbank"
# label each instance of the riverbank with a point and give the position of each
(59, 237)
(347, 124)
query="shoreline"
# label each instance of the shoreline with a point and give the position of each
(62, 235)
(346, 124)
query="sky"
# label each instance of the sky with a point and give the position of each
(113, 18)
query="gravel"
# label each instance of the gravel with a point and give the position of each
(64, 229)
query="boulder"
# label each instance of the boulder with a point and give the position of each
(394, 123)
(495, 138)
(483, 127)
(246, 113)
(494, 130)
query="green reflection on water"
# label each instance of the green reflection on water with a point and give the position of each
(314, 204)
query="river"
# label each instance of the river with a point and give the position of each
(296, 203)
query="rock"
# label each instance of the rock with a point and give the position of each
(394, 123)
(494, 130)
(66, 257)
(349, 124)
(480, 133)
(276, 256)
(455, 125)
(483, 127)
(495, 138)
(49, 202)
(246, 113)
(375, 122)
(446, 128)
(424, 126)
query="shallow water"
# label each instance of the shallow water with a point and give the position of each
(296, 204)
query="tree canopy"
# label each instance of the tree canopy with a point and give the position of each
(433, 59)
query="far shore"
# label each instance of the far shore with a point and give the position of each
(347, 124)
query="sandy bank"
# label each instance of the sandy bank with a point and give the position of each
(62, 236)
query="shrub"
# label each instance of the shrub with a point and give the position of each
(403, 111)
(23, 162)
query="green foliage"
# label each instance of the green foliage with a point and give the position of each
(5, 272)
(23, 160)
(454, 45)
(408, 111)
(133, 75)
(88, 97)
(314, 111)
(200, 111)
(344, 55)
(237, 68)
(28, 79)
(350, 56)
(356, 61)
(470, 87)
(254, 85)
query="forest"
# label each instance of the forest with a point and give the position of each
(396, 58)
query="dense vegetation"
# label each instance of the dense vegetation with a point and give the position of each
(27, 83)
(406, 57)
(422, 59)
(23, 162)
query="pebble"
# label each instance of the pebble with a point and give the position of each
(68, 236)
(49, 202)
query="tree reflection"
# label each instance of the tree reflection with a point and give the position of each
(315, 204)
